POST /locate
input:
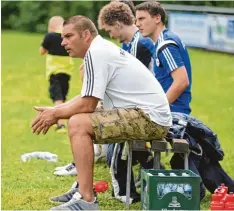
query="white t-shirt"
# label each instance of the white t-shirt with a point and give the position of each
(122, 81)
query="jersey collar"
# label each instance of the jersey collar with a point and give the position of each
(160, 37)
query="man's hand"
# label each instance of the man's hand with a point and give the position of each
(45, 119)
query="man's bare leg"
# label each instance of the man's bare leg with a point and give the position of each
(80, 131)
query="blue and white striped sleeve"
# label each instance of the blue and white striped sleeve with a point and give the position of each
(95, 76)
(170, 57)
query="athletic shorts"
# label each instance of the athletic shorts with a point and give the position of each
(120, 125)
(59, 86)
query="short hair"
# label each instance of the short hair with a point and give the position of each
(130, 4)
(153, 8)
(113, 12)
(81, 24)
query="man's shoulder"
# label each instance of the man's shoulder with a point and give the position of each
(102, 47)
(169, 35)
(146, 41)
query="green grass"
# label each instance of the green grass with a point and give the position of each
(27, 186)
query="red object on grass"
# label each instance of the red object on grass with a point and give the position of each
(230, 202)
(216, 205)
(216, 197)
(221, 200)
(100, 186)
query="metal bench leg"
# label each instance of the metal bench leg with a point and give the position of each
(186, 166)
(129, 170)
(157, 157)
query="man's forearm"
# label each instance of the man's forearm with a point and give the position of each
(68, 102)
(75, 106)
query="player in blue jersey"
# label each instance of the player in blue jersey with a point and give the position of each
(118, 20)
(172, 64)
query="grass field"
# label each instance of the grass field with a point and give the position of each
(27, 186)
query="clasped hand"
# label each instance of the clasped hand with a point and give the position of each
(44, 120)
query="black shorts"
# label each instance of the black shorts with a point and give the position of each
(59, 86)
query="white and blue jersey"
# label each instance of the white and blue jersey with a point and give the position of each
(170, 53)
(142, 48)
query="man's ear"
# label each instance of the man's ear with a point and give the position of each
(157, 18)
(86, 34)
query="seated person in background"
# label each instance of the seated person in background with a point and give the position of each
(172, 66)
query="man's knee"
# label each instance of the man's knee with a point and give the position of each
(79, 123)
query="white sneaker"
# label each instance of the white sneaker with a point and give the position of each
(62, 167)
(69, 171)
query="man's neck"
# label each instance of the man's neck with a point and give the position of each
(157, 33)
(130, 31)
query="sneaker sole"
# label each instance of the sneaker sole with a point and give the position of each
(56, 202)
(62, 167)
(57, 174)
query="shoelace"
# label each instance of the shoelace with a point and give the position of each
(70, 168)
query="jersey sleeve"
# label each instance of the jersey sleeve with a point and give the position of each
(170, 57)
(143, 54)
(95, 75)
(46, 41)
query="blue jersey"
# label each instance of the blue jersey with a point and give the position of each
(170, 53)
(142, 48)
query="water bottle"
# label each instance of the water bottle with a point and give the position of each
(224, 187)
(167, 189)
(216, 205)
(174, 187)
(180, 188)
(160, 189)
(188, 190)
(39, 155)
(229, 205)
(221, 191)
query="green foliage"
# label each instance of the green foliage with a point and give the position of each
(33, 16)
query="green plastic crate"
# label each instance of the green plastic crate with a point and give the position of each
(169, 192)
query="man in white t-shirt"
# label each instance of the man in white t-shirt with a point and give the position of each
(135, 105)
